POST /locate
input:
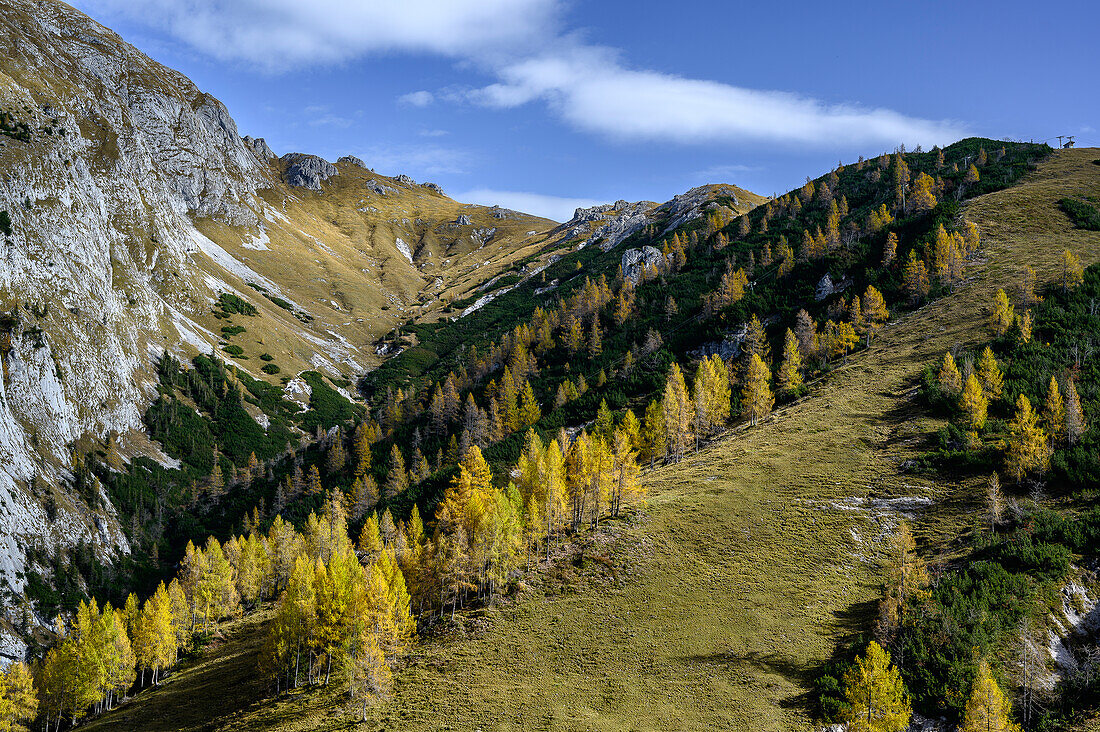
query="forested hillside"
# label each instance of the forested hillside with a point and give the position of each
(570, 383)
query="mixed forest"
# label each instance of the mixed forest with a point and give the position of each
(492, 440)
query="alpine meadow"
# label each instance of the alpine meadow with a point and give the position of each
(291, 443)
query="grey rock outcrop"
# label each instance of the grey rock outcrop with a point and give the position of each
(502, 213)
(351, 160)
(259, 147)
(405, 180)
(634, 261)
(463, 220)
(824, 288)
(380, 188)
(433, 187)
(307, 171)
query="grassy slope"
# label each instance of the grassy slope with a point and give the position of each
(742, 575)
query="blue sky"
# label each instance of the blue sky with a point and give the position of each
(544, 105)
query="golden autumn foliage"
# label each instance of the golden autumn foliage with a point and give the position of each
(1028, 449)
(876, 697)
(987, 709)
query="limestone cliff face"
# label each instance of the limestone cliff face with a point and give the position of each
(133, 204)
(118, 154)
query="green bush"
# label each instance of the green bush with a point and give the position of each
(230, 304)
(271, 368)
(5, 223)
(1083, 214)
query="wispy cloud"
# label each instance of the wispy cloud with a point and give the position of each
(592, 90)
(723, 173)
(417, 161)
(588, 87)
(279, 35)
(433, 133)
(555, 208)
(416, 99)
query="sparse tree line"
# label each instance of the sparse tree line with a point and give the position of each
(490, 393)
(341, 609)
(874, 699)
(1021, 406)
(1036, 429)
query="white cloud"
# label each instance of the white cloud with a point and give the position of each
(434, 133)
(555, 208)
(417, 98)
(589, 88)
(279, 35)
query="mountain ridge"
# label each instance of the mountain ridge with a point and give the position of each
(137, 212)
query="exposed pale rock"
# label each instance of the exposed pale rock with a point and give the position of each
(634, 261)
(307, 171)
(433, 187)
(258, 145)
(351, 160)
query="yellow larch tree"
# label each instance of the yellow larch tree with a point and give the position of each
(789, 378)
(18, 700)
(915, 278)
(678, 413)
(949, 379)
(987, 709)
(989, 373)
(922, 195)
(974, 403)
(654, 439)
(1073, 273)
(1023, 328)
(1054, 410)
(1003, 314)
(877, 701)
(756, 396)
(1075, 418)
(890, 249)
(1028, 448)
